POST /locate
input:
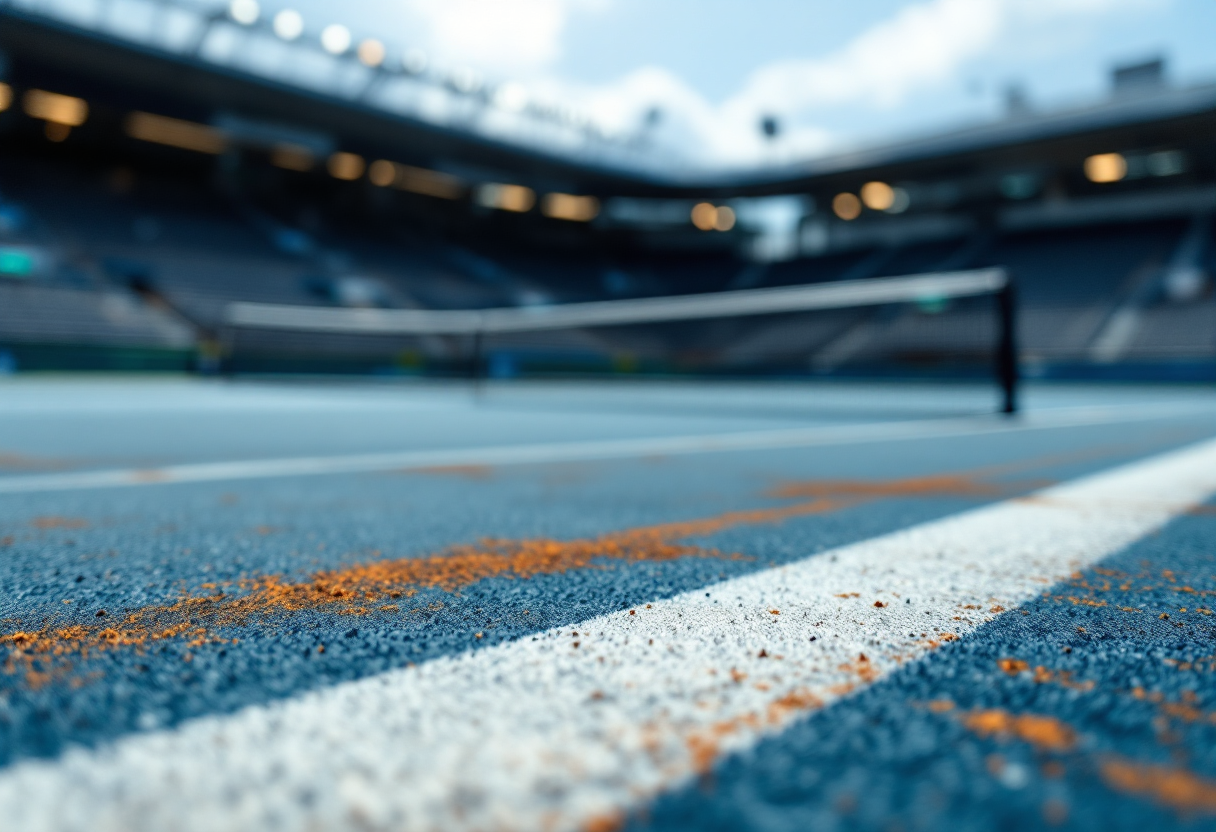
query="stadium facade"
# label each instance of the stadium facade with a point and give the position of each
(143, 190)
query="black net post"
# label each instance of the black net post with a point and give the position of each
(475, 368)
(1007, 347)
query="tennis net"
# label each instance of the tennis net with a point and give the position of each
(936, 324)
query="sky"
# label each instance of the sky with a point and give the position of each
(834, 75)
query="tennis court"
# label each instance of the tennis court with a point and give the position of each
(591, 605)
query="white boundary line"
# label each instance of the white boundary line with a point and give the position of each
(590, 721)
(588, 450)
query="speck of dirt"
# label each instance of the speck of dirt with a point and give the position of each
(610, 822)
(1175, 788)
(57, 522)
(1044, 732)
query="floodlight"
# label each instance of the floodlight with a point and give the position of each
(846, 206)
(371, 52)
(1106, 167)
(335, 39)
(245, 12)
(877, 196)
(570, 207)
(55, 108)
(348, 166)
(382, 173)
(517, 198)
(292, 157)
(704, 216)
(900, 200)
(288, 24)
(724, 218)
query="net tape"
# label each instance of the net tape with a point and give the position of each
(838, 295)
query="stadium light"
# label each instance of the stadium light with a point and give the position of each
(1105, 167)
(846, 206)
(570, 207)
(877, 196)
(292, 157)
(6, 97)
(900, 200)
(288, 24)
(346, 166)
(429, 182)
(244, 12)
(516, 198)
(704, 216)
(173, 132)
(52, 107)
(1166, 162)
(382, 173)
(371, 52)
(335, 39)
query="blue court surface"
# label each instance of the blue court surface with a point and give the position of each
(576, 605)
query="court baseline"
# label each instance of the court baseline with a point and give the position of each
(587, 450)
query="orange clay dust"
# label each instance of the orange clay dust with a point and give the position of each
(359, 589)
(1172, 787)
(364, 588)
(1043, 732)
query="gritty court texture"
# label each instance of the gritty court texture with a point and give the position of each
(577, 606)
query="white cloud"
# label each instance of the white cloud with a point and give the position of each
(922, 47)
(502, 36)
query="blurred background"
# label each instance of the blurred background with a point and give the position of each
(162, 160)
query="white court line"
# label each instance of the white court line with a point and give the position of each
(593, 720)
(589, 450)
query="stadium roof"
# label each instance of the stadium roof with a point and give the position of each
(43, 51)
(1122, 118)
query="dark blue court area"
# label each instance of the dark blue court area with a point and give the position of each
(181, 588)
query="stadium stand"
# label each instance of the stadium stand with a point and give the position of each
(117, 240)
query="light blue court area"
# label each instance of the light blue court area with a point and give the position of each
(175, 552)
(56, 425)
